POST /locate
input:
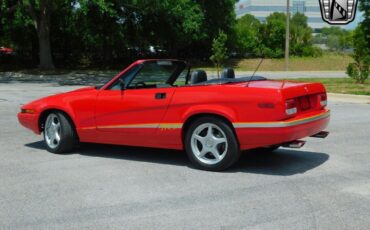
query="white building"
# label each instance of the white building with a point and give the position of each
(263, 8)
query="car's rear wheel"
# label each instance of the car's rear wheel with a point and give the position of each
(59, 133)
(211, 144)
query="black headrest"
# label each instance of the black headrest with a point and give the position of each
(198, 76)
(228, 73)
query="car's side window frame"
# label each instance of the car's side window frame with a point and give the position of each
(166, 83)
(128, 77)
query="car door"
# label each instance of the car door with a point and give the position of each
(131, 116)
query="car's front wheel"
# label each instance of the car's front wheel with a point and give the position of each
(211, 144)
(59, 133)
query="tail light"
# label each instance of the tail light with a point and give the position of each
(323, 99)
(290, 107)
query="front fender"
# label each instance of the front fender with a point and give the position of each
(66, 108)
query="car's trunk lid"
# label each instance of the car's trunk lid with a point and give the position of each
(306, 95)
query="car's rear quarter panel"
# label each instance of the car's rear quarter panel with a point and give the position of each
(231, 102)
(239, 104)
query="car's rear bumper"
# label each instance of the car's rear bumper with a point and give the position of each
(259, 134)
(29, 121)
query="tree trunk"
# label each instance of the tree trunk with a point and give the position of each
(218, 70)
(46, 60)
(42, 25)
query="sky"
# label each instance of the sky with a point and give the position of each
(353, 24)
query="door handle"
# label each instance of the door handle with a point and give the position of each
(159, 96)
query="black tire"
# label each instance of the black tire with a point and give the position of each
(230, 155)
(68, 137)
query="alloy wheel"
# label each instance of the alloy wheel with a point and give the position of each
(209, 143)
(52, 131)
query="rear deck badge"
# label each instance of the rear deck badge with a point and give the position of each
(338, 12)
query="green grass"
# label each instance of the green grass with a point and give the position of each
(340, 85)
(328, 62)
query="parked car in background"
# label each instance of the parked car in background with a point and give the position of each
(4, 51)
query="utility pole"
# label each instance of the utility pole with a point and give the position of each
(287, 35)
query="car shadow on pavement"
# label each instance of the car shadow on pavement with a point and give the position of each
(160, 156)
(282, 162)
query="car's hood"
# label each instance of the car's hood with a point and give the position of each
(39, 101)
(84, 89)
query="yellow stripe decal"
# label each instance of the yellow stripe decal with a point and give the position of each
(128, 126)
(275, 124)
(280, 124)
(170, 125)
(138, 126)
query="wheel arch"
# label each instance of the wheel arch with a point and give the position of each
(196, 116)
(44, 114)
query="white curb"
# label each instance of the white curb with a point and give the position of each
(337, 97)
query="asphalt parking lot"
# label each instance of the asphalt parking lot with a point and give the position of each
(324, 185)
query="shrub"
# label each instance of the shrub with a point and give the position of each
(311, 51)
(359, 70)
(219, 51)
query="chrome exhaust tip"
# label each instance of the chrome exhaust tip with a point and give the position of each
(321, 134)
(294, 144)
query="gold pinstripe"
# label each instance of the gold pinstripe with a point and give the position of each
(279, 124)
(164, 126)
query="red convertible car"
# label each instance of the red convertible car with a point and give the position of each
(163, 104)
(6, 51)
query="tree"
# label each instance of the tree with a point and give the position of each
(97, 28)
(359, 70)
(268, 39)
(272, 36)
(219, 51)
(101, 32)
(335, 38)
(40, 12)
(247, 29)
(300, 34)
(365, 8)
(218, 15)
(17, 32)
(171, 24)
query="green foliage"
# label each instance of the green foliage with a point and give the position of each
(171, 24)
(359, 70)
(106, 32)
(219, 51)
(364, 6)
(218, 15)
(247, 30)
(272, 36)
(301, 37)
(17, 30)
(312, 51)
(335, 38)
(268, 39)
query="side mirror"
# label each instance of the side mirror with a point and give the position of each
(122, 84)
